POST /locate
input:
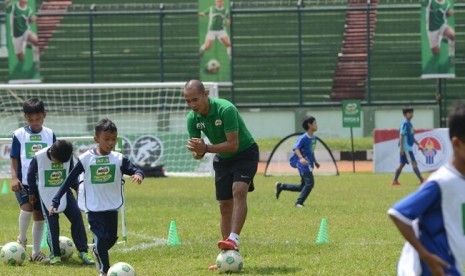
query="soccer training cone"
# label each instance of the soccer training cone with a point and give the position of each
(323, 236)
(173, 238)
(44, 244)
(4, 188)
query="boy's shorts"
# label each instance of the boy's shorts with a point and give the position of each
(23, 198)
(407, 158)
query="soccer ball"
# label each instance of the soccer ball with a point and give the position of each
(66, 248)
(121, 269)
(229, 261)
(13, 253)
(213, 66)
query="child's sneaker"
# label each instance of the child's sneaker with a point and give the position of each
(395, 182)
(278, 189)
(39, 258)
(55, 260)
(22, 243)
(228, 245)
(86, 258)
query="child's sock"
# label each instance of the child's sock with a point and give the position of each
(24, 221)
(37, 233)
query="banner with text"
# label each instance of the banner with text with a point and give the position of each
(437, 150)
(214, 41)
(23, 43)
(438, 39)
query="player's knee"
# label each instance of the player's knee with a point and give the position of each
(435, 50)
(20, 56)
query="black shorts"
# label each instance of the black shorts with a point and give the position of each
(239, 168)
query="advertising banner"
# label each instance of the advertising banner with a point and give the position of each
(214, 41)
(437, 39)
(437, 150)
(23, 43)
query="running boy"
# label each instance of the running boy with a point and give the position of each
(103, 191)
(406, 141)
(304, 160)
(431, 219)
(27, 141)
(47, 171)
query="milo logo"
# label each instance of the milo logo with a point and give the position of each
(54, 178)
(36, 147)
(56, 175)
(103, 170)
(33, 147)
(102, 174)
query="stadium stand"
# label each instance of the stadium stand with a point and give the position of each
(351, 72)
(266, 60)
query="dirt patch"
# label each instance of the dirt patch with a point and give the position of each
(343, 166)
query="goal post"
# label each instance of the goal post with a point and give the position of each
(150, 117)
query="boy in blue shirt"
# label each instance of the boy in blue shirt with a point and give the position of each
(406, 141)
(304, 160)
(431, 219)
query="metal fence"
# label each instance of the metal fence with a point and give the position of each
(282, 55)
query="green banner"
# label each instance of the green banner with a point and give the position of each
(438, 39)
(23, 43)
(351, 113)
(214, 40)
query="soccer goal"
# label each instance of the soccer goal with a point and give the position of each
(151, 120)
(278, 162)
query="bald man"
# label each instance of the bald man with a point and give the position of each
(236, 156)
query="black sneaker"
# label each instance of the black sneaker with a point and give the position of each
(278, 189)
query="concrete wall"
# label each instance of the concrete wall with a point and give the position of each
(269, 123)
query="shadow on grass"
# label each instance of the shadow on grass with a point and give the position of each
(270, 270)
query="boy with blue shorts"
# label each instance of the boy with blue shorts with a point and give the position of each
(431, 219)
(26, 142)
(406, 141)
(47, 172)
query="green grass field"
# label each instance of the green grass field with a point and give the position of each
(278, 239)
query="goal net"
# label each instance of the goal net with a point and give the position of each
(278, 162)
(151, 120)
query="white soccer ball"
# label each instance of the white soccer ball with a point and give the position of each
(66, 248)
(213, 66)
(229, 261)
(13, 253)
(121, 269)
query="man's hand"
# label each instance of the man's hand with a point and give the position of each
(197, 145)
(303, 161)
(317, 165)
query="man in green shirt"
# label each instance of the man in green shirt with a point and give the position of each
(218, 20)
(437, 12)
(236, 158)
(21, 15)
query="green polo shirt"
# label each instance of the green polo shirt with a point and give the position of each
(222, 118)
